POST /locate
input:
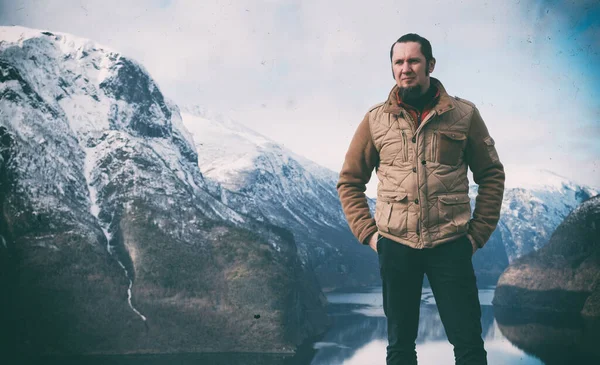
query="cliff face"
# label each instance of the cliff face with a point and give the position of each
(110, 241)
(548, 302)
(562, 276)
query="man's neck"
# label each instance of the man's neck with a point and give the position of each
(425, 89)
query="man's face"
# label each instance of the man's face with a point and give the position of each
(410, 69)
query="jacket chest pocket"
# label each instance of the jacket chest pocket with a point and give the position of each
(404, 151)
(450, 146)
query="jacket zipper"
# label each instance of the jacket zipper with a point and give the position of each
(419, 215)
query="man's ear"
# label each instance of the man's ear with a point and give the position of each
(431, 65)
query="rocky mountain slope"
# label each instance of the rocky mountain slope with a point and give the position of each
(111, 241)
(261, 178)
(564, 275)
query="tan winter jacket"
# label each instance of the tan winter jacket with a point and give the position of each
(422, 195)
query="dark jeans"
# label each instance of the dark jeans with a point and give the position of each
(450, 273)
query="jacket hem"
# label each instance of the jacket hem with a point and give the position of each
(420, 247)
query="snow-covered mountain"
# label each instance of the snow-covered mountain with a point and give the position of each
(535, 202)
(109, 226)
(271, 183)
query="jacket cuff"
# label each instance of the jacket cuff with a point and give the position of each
(473, 242)
(368, 234)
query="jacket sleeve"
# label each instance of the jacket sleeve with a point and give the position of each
(488, 173)
(362, 157)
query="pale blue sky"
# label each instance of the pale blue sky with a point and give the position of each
(304, 72)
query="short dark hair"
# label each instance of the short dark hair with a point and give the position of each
(412, 37)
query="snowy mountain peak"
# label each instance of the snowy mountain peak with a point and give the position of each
(86, 107)
(53, 44)
(226, 148)
(92, 86)
(532, 178)
(69, 43)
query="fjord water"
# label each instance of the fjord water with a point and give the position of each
(357, 337)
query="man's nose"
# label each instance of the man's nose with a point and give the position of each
(406, 68)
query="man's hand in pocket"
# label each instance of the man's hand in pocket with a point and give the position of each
(373, 241)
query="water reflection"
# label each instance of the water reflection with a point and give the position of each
(556, 338)
(358, 334)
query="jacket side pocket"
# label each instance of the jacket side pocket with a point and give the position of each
(404, 146)
(454, 212)
(434, 145)
(382, 215)
(390, 205)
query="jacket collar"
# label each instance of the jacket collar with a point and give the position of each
(444, 103)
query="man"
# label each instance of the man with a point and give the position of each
(421, 141)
